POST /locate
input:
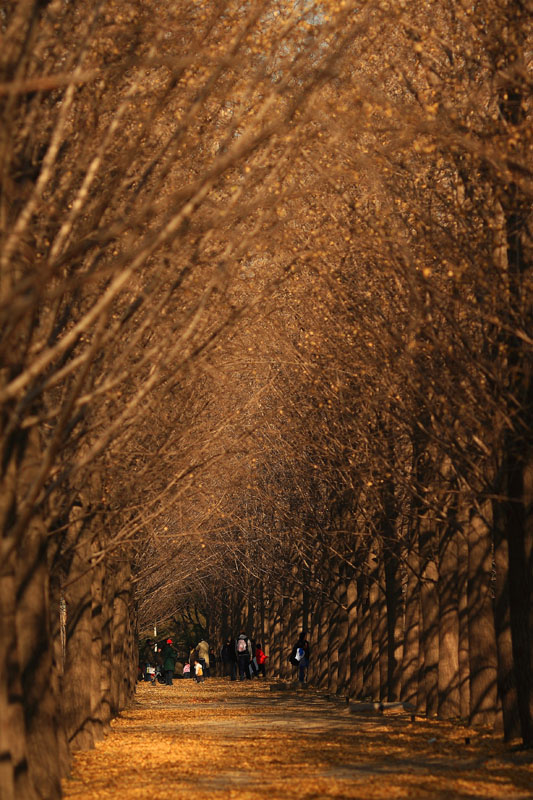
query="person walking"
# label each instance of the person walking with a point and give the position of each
(193, 656)
(243, 651)
(299, 656)
(203, 657)
(169, 657)
(260, 659)
(148, 661)
(213, 663)
(198, 671)
(228, 658)
(254, 670)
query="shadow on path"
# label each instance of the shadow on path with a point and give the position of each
(227, 740)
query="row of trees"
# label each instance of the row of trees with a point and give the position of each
(385, 503)
(142, 146)
(266, 342)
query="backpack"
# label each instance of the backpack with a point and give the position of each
(242, 646)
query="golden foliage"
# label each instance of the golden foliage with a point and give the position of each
(241, 740)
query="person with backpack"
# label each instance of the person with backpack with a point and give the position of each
(243, 651)
(299, 656)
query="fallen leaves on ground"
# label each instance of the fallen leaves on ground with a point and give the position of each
(224, 739)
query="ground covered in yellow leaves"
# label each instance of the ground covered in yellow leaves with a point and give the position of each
(252, 740)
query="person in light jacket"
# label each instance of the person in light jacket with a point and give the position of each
(203, 656)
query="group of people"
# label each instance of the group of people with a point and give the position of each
(151, 661)
(157, 661)
(199, 664)
(241, 656)
(247, 658)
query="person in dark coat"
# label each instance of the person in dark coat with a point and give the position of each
(169, 656)
(193, 658)
(213, 661)
(148, 661)
(229, 659)
(243, 651)
(299, 656)
(253, 668)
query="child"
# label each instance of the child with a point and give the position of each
(260, 657)
(199, 672)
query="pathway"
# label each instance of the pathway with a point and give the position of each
(251, 741)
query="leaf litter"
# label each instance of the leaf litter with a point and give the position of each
(223, 739)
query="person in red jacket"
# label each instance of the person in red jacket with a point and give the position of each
(260, 658)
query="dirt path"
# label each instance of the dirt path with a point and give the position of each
(242, 740)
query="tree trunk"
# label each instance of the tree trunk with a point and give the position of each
(13, 754)
(481, 632)
(323, 642)
(334, 626)
(464, 645)
(77, 679)
(285, 646)
(121, 639)
(355, 675)
(502, 622)
(275, 636)
(364, 632)
(382, 628)
(375, 610)
(343, 634)
(34, 646)
(393, 600)
(448, 678)
(429, 607)
(97, 623)
(410, 671)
